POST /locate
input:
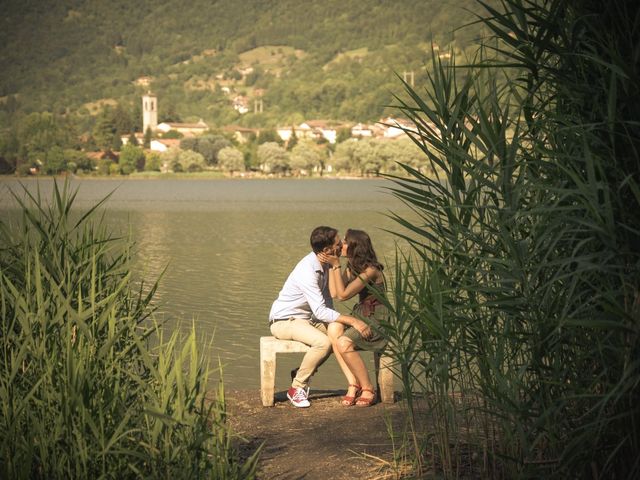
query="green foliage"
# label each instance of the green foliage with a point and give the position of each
(269, 135)
(206, 145)
(172, 134)
(153, 161)
(131, 159)
(273, 158)
(231, 159)
(371, 156)
(80, 53)
(36, 134)
(54, 161)
(305, 156)
(89, 386)
(147, 138)
(180, 160)
(191, 161)
(105, 132)
(516, 315)
(104, 166)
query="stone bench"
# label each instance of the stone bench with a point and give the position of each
(270, 346)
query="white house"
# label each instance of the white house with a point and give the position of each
(162, 145)
(138, 135)
(285, 133)
(361, 130)
(184, 128)
(395, 127)
(241, 104)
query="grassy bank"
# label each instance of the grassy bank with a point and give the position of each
(89, 386)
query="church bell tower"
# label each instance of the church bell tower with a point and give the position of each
(149, 112)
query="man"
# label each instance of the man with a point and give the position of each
(303, 308)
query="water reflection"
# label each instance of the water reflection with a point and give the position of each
(227, 247)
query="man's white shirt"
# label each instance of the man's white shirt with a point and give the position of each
(305, 294)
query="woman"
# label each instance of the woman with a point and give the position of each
(363, 273)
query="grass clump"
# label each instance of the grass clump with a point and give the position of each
(517, 314)
(89, 387)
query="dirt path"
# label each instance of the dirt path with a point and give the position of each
(324, 441)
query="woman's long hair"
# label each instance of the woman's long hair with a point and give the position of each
(360, 252)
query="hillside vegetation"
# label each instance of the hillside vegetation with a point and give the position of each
(331, 59)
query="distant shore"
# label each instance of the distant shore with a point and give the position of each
(195, 176)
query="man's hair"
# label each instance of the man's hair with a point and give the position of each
(322, 237)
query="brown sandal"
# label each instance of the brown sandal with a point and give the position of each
(366, 402)
(348, 400)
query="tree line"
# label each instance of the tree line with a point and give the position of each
(51, 144)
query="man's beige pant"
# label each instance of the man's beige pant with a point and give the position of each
(310, 333)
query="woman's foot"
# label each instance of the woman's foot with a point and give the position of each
(367, 398)
(352, 393)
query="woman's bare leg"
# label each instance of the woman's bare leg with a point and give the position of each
(356, 365)
(334, 331)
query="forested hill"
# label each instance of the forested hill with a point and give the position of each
(331, 59)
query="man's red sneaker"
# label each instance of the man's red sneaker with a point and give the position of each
(298, 397)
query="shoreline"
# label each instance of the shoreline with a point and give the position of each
(188, 176)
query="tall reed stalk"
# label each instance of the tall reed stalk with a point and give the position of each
(516, 316)
(89, 387)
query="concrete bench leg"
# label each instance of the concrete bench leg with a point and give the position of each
(385, 377)
(267, 373)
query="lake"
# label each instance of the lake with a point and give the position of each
(227, 246)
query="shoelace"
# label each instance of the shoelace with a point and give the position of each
(300, 394)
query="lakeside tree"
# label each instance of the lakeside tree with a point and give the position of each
(191, 161)
(343, 158)
(273, 158)
(131, 159)
(153, 161)
(305, 156)
(179, 160)
(54, 161)
(147, 138)
(231, 159)
(38, 132)
(207, 145)
(106, 132)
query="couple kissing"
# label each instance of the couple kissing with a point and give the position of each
(304, 312)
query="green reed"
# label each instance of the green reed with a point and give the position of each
(516, 315)
(89, 385)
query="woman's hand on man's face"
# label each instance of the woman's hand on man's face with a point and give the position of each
(332, 260)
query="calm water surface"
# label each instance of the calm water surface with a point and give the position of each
(228, 246)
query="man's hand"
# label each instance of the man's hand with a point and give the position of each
(364, 329)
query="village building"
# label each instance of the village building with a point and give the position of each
(285, 133)
(362, 130)
(163, 144)
(186, 129)
(312, 129)
(102, 155)
(143, 81)
(241, 104)
(139, 136)
(242, 134)
(395, 127)
(149, 112)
